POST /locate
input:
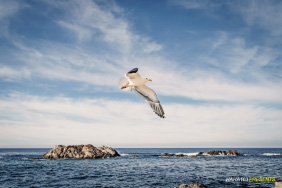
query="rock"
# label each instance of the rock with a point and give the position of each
(80, 152)
(278, 185)
(229, 153)
(217, 152)
(200, 153)
(181, 155)
(167, 155)
(198, 185)
(194, 156)
(134, 156)
(233, 153)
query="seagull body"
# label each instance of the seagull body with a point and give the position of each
(133, 81)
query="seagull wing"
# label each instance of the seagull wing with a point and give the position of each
(150, 96)
(132, 74)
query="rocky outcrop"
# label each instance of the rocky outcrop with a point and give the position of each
(80, 152)
(278, 185)
(198, 185)
(167, 155)
(134, 156)
(181, 155)
(173, 155)
(229, 153)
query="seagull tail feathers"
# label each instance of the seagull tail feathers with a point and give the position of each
(124, 82)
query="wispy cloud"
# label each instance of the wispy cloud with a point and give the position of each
(230, 56)
(264, 14)
(8, 8)
(196, 4)
(9, 74)
(66, 120)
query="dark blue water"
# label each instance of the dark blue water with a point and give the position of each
(149, 170)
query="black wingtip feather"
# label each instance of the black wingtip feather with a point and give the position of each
(133, 71)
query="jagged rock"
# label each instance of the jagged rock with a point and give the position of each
(167, 155)
(181, 155)
(80, 152)
(134, 156)
(198, 185)
(233, 152)
(278, 185)
(215, 152)
(229, 153)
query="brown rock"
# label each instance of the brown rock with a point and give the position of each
(278, 185)
(229, 153)
(233, 153)
(181, 155)
(167, 155)
(80, 152)
(194, 156)
(134, 156)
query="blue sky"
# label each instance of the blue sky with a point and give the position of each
(216, 67)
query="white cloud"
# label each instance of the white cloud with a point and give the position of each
(86, 19)
(10, 74)
(8, 8)
(265, 14)
(194, 4)
(58, 120)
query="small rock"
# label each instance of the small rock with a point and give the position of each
(194, 156)
(233, 153)
(200, 153)
(134, 156)
(167, 155)
(278, 185)
(181, 155)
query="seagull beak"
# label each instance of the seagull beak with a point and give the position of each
(150, 80)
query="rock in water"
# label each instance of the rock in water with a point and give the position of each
(80, 152)
(167, 155)
(234, 152)
(229, 153)
(278, 185)
(134, 156)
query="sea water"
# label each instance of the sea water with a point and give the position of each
(150, 170)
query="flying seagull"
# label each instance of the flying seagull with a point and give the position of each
(133, 81)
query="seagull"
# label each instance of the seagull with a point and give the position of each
(133, 81)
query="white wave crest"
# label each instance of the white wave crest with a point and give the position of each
(188, 154)
(123, 154)
(271, 154)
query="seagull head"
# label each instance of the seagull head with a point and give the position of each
(148, 80)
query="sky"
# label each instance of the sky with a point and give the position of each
(216, 67)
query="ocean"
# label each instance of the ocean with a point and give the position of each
(148, 171)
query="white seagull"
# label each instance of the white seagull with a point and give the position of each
(134, 81)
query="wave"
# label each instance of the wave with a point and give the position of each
(188, 154)
(123, 154)
(271, 154)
